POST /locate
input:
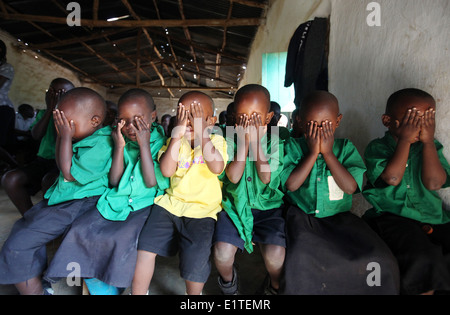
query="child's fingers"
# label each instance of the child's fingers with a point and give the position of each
(314, 129)
(64, 119)
(141, 124)
(56, 117)
(407, 117)
(417, 119)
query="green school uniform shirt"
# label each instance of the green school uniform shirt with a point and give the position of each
(132, 194)
(48, 141)
(410, 199)
(91, 162)
(319, 195)
(250, 193)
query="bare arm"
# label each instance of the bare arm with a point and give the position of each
(211, 155)
(408, 130)
(236, 168)
(433, 174)
(116, 171)
(261, 162)
(341, 175)
(143, 138)
(66, 130)
(303, 169)
(169, 159)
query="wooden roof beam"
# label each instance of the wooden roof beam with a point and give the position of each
(135, 23)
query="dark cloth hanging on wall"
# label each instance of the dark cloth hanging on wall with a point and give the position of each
(307, 64)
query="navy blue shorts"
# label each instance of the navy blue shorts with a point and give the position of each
(165, 234)
(268, 228)
(24, 255)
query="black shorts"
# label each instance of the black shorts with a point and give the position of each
(165, 234)
(268, 228)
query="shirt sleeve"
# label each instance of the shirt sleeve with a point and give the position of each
(376, 157)
(292, 156)
(444, 162)
(354, 163)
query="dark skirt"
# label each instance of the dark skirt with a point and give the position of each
(102, 249)
(338, 255)
(24, 255)
(423, 258)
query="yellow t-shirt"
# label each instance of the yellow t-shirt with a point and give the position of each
(194, 192)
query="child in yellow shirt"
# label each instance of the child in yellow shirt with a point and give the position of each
(184, 217)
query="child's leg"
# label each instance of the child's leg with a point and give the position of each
(226, 243)
(195, 242)
(143, 274)
(273, 256)
(224, 254)
(14, 182)
(194, 288)
(32, 286)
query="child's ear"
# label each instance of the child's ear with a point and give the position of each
(96, 121)
(338, 120)
(386, 119)
(212, 120)
(269, 117)
(153, 117)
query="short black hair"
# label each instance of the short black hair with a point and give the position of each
(86, 99)
(138, 93)
(396, 98)
(62, 81)
(191, 93)
(251, 88)
(313, 98)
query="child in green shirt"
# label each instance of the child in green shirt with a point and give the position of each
(252, 199)
(329, 249)
(405, 169)
(83, 154)
(103, 241)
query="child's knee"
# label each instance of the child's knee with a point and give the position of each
(273, 255)
(224, 252)
(13, 179)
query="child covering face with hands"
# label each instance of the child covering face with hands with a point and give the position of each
(252, 200)
(405, 169)
(83, 154)
(327, 245)
(103, 241)
(183, 219)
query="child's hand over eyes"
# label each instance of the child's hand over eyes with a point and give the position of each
(117, 136)
(64, 128)
(241, 127)
(198, 122)
(409, 129)
(327, 137)
(312, 136)
(428, 126)
(142, 131)
(180, 123)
